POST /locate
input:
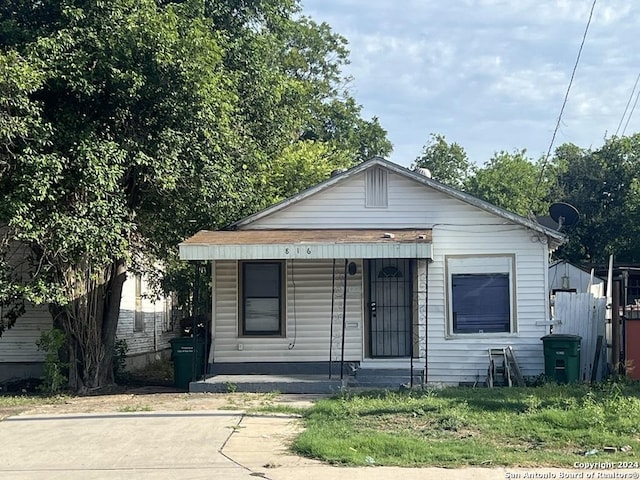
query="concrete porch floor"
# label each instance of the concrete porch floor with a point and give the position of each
(270, 383)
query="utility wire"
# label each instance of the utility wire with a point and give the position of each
(631, 113)
(564, 104)
(627, 106)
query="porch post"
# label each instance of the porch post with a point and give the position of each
(344, 317)
(195, 312)
(213, 313)
(420, 324)
(426, 326)
(333, 288)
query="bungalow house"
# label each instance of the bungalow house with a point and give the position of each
(381, 267)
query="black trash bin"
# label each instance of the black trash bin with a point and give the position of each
(182, 352)
(562, 357)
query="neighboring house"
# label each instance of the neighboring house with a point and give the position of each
(563, 276)
(19, 355)
(144, 323)
(432, 274)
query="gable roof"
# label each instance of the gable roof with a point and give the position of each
(555, 238)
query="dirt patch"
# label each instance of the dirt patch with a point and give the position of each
(9, 412)
(149, 389)
(155, 399)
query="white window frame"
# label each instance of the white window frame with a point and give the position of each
(481, 264)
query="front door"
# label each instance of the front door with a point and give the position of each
(390, 308)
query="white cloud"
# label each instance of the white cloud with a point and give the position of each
(488, 74)
(530, 86)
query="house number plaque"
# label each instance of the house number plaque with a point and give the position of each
(298, 250)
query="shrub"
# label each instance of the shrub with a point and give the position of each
(55, 378)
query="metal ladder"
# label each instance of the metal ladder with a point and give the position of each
(503, 368)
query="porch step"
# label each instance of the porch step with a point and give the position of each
(385, 377)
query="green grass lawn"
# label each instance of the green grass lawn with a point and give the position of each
(550, 425)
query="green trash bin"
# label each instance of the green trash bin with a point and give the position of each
(562, 357)
(183, 360)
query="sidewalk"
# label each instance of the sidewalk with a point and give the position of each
(192, 445)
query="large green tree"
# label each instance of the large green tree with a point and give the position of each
(603, 185)
(125, 124)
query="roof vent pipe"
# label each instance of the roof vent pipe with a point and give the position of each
(423, 171)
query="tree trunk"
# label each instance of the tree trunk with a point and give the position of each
(111, 315)
(90, 321)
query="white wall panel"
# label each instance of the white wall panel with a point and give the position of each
(343, 206)
(308, 325)
(464, 358)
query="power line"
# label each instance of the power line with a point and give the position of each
(631, 113)
(627, 106)
(564, 103)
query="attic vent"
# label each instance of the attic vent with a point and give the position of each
(376, 192)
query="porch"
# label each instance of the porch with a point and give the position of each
(392, 375)
(281, 297)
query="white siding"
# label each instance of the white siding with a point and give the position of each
(19, 343)
(464, 358)
(411, 205)
(308, 325)
(153, 337)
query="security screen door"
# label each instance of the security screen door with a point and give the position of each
(390, 308)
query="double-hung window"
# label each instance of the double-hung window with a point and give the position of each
(481, 294)
(262, 298)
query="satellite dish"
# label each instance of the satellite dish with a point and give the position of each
(564, 214)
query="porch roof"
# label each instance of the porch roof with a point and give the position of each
(309, 244)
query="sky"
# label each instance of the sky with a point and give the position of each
(490, 75)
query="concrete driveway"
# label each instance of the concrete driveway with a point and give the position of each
(189, 445)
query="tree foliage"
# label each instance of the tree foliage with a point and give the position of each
(126, 124)
(512, 181)
(448, 163)
(603, 185)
